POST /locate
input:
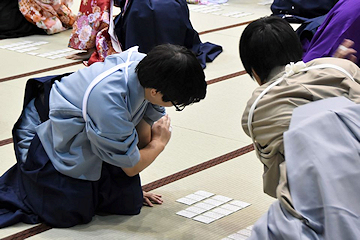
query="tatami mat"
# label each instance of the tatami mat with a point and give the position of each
(201, 133)
(239, 179)
(12, 92)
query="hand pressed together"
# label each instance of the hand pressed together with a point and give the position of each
(160, 130)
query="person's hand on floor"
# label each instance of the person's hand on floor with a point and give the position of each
(150, 198)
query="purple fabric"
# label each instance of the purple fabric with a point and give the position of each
(342, 22)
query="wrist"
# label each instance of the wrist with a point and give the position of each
(157, 145)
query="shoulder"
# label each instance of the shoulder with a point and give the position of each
(343, 63)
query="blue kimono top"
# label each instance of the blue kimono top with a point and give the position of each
(76, 146)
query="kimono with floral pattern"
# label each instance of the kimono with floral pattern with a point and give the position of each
(51, 15)
(90, 30)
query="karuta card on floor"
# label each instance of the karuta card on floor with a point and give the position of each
(186, 201)
(204, 219)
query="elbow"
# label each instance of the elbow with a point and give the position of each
(130, 172)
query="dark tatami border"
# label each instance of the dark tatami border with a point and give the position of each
(28, 232)
(40, 71)
(197, 168)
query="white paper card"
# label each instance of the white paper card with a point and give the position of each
(204, 193)
(186, 201)
(204, 206)
(186, 214)
(245, 232)
(196, 210)
(237, 236)
(204, 219)
(33, 53)
(250, 227)
(195, 197)
(27, 49)
(230, 207)
(221, 198)
(212, 214)
(222, 211)
(213, 202)
(239, 203)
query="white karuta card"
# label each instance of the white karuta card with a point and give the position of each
(237, 236)
(204, 219)
(204, 193)
(213, 202)
(245, 232)
(33, 53)
(250, 227)
(212, 214)
(186, 214)
(221, 198)
(195, 197)
(204, 206)
(230, 207)
(186, 201)
(222, 211)
(239, 203)
(196, 210)
(27, 49)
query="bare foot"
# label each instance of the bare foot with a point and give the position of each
(84, 56)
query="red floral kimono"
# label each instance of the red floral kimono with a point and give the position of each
(93, 29)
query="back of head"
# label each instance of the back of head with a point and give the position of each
(175, 72)
(267, 43)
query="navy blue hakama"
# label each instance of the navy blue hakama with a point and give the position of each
(34, 191)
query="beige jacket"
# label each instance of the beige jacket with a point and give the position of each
(273, 113)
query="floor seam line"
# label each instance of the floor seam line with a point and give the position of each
(79, 62)
(197, 168)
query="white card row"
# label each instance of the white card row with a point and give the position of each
(217, 10)
(243, 234)
(207, 207)
(21, 45)
(30, 48)
(201, 195)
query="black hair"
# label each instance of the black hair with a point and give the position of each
(267, 43)
(175, 72)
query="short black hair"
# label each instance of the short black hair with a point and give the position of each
(267, 43)
(175, 72)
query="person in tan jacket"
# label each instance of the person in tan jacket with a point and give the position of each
(271, 54)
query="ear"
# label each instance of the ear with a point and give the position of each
(153, 92)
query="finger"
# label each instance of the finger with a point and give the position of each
(353, 58)
(158, 195)
(148, 202)
(347, 43)
(157, 200)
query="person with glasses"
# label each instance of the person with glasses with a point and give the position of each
(82, 141)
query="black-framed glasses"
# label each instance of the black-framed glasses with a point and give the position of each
(178, 108)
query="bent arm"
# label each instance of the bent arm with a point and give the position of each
(160, 136)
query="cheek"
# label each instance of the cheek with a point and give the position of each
(167, 104)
